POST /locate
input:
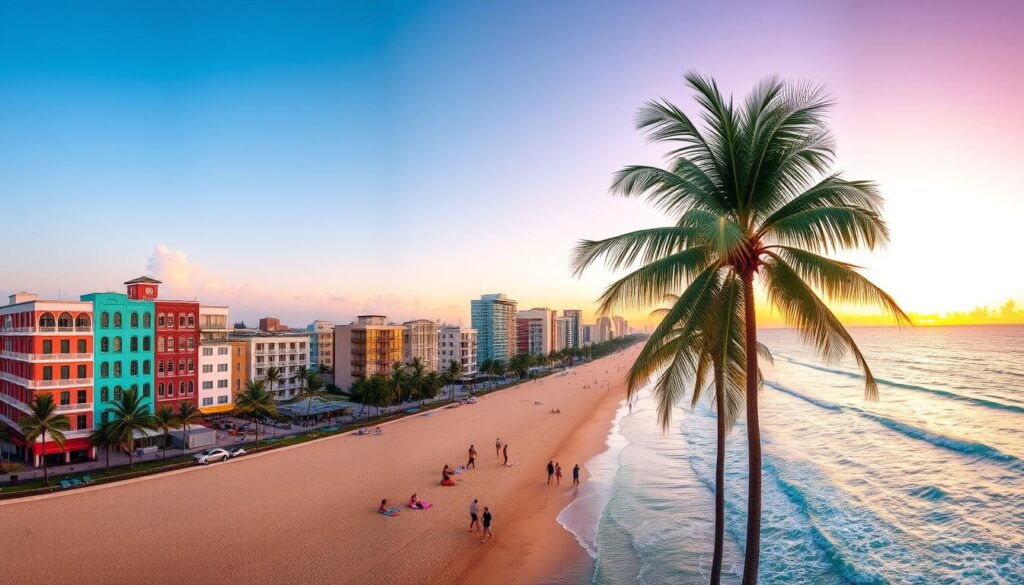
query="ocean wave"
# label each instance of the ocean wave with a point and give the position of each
(959, 445)
(994, 404)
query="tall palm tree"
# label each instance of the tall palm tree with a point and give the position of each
(751, 199)
(300, 374)
(44, 420)
(431, 386)
(188, 415)
(130, 416)
(415, 378)
(273, 376)
(398, 381)
(256, 401)
(102, 437)
(166, 420)
(453, 374)
(313, 388)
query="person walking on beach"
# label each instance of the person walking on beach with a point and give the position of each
(497, 448)
(576, 475)
(474, 520)
(487, 525)
(472, 457)
(504, 451)
(558, 474)
(551, 471)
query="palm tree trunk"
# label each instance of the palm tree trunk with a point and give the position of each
(108, 458)
(716, 563)
(256, 421)
(46, 475)
(752, 552)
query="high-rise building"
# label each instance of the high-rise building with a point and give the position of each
(420, 342)
(494, 318)
(286, 352)
(457, 344)
(587, 336)
(604, 329)
(535, 331)
(321, 345)
(46, 347)
(563, 333)
(575, 317)
(368, 346)
(620, 326)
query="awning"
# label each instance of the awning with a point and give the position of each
(220, 408)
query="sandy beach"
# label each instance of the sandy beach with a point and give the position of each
(307, 513)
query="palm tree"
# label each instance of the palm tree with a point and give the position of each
(750, 199)
(313, 388)
(300, 374)
(454, 372)
(188, 415)
(431, 386)
(44, 419)
(5, 437)
(415, 378)
(398, 382)
(103, 438)
(256, 401)
(273, 376)
(165, 421)
(130, 416)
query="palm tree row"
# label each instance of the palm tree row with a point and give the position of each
(751, 200)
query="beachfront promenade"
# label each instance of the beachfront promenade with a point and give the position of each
(306, 513)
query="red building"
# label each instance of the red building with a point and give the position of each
(46, 347)
(177, 345)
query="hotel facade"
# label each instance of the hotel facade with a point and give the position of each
(368, 346)
(420, 342)
(494, 318)
(457, 344)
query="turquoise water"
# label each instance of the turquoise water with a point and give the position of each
(925, 486)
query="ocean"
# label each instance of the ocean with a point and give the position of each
(924, 486)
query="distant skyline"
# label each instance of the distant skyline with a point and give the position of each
(327, 160)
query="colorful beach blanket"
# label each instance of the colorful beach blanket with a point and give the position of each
(426, 505)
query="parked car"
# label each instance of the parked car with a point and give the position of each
(210, 455)
(237, 452)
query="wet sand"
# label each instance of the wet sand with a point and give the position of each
(307, 513)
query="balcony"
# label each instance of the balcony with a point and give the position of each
(45, 384)
(43, 330)
(81, 406)
(46, 357)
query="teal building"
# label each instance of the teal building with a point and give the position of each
(122, 349)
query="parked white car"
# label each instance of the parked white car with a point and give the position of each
(237, 452)
(210, 455)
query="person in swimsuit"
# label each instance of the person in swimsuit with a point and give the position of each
(415, 502)
(504, 451)
(487, 525)
(474, 521)
(551, 471)
(576, 475)
(558, 474)
(472, 457)
(497, 448)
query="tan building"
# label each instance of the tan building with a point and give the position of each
(366, 347)
(239, 367)
(420, 341)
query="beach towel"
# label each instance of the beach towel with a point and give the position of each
(390, 512)
(461, 469)
(426, 505)
(447, 482)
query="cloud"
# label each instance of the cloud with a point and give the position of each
(183, 278)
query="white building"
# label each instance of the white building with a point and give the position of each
(564, 329)
(215, 376)
(575, 317)
(420, 341)
(457, 343)
(285, 351)
(535, 331)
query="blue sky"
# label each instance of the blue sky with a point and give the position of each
(322, 159)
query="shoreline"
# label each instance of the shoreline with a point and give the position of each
(311, 507)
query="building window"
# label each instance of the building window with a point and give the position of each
(147, 321)
(191, 344)
(65, 398)
(160, 344)
(181, 321)
(238, 385)
(81, 423)
(181, 388)
(81, 371)
(104, 395)
(134, 344)
(145, 343)
(82, 346)
(222, 383)
(145, 367)
(207, 368)
(191, 321)
(135, 320)
(117, 320)
(160, 389)
(104, 345)
(222, 351)
(82, 321)
(145, 390)
(170, 389)
(160, 320)
(160, 367)
(117, 345)
(222, 399)
(65, 346)
(47, 372)
(47, 346)
(82, 397)
(207, 401)
(117, 369)
(191, 387)
(222, 367)
(181, 366)
(118, 393)
(104, 370)
(65, 372)
(104, 319)
(207, 351)
(133, 368)
(191, 366)
(208, 385)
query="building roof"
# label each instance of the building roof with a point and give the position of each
(143, 280)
